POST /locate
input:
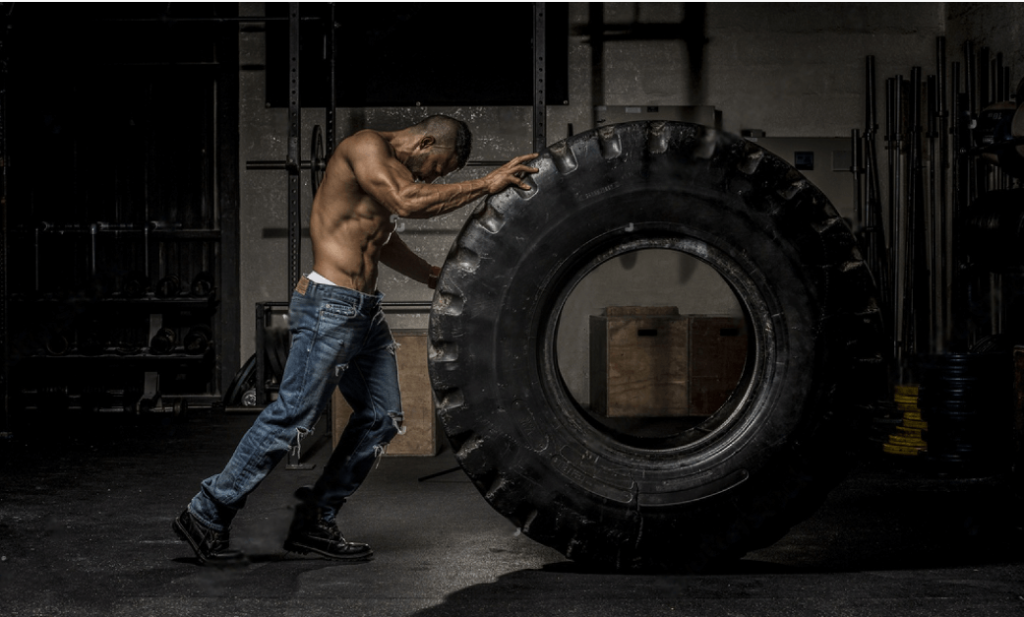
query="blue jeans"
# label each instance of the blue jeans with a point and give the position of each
(339, 339)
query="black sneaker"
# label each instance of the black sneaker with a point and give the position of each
(211, 547)
(311, 533)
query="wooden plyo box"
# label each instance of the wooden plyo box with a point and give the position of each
(718, 353)
(651, 362)
(421, 437)
(639, 362)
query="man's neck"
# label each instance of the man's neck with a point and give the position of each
(403, 142)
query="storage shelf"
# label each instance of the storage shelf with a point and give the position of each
(148, 302)
(111, 355)
(130, 230)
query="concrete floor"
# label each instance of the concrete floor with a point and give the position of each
(85, 530)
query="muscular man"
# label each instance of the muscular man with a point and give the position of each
(339, 336)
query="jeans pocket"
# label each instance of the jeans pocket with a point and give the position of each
(337, 310)
(339, 332)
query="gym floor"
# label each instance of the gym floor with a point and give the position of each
(85, 513)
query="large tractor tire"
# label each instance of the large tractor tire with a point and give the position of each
(695, 497)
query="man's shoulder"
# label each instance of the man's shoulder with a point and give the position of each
(364, 140)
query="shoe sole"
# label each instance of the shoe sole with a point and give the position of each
(187, 539)
(293, 547)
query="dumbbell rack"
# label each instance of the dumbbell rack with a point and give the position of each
(136, 367)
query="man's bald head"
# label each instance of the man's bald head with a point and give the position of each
(448, 131)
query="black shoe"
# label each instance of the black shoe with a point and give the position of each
(211, 547)
(310, 533)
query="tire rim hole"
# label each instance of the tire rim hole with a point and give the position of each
(686, 373)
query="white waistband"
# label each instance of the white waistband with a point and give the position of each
(317, 278)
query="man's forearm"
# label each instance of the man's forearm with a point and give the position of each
(429, 200)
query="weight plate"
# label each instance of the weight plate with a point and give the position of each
(900, 440)
(910, 432)
(317, 164)
(889, 448)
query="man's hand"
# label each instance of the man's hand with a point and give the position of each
(510, 174)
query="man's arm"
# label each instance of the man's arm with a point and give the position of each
(391, 184)
(396, 254)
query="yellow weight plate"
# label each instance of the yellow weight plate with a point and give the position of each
(913, 442)
(909, 432)
(900, 450)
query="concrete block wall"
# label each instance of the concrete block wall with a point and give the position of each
(790, 69)
(998, 26)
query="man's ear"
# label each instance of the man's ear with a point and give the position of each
(426, 142)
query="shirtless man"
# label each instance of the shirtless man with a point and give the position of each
(339, 336)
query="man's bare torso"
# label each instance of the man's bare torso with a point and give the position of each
(347, 227)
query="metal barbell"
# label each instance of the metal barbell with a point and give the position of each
(316, 164)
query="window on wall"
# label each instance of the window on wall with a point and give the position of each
(407, 54)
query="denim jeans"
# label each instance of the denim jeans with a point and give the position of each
(339, 339)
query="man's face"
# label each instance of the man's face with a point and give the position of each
(432, 162)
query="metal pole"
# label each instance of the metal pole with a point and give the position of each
(540, 138)
(913, 211)
(1000, 87)
(962, 197)
(970, 83)
(857, 169)
(332, 95)
(982, 81)
(877, 248)
(261, 355)
(933, 245)
(890, 142)
(956, 111)
(943, 129)
(294, 148)
(899, 232)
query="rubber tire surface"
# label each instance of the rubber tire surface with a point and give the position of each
(685, 501)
